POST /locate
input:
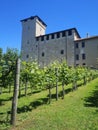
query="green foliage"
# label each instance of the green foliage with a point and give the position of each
(64, 73)
(7, 67)
(42, 78)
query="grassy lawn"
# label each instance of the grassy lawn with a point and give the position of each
(78, 111)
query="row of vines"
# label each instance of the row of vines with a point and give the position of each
(54, 75)
(34, 77)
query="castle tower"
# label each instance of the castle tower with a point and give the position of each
(31, 28)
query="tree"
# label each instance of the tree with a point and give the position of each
(1, 55)
(8, 67)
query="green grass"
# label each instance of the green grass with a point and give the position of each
(78, 111)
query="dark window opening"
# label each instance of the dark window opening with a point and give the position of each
(62, 51)
(83, 56)
(69, 32)
(37, 38)
(36, 46)
(83, 64)
(58, 35)
(42, 38)
(47, 38)
(27, 56)
(63, 34)
(77, 45)
(27, 42)
(77, 57)
(52, 36)
(43, 54)
(83, 44)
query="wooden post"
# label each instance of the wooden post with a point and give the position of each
(49, 94)
(63, 90)
(15, 94)
(56, 72)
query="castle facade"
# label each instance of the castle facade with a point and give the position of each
(57, 46)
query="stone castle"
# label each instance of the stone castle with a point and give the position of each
(57, 46)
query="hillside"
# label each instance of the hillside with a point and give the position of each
(78, 111)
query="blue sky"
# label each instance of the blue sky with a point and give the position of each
(57, 14)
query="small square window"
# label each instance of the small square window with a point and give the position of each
(27, 56)
(83, 56)
(83, 64)
(52, 36)
(83, 44)
(63, 34)
(43, 54)
(69, 32)
(58, 35)
(27, 42)
(37, 38)
(77, 57)
(62, 52)
(42, 38)
(47, 37)
(77, 45)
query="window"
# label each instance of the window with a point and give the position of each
(52, 36)
(43, 54)
(77, 57)
(83, 44)
(77, 45)
(47, 38)
(83, 64)
(27, 42)
(36, 46)
(83, 56)
(28, 27)
(58, 35)
(42, 38)
(69, 32)
(62, 52)
(63, 34)
(27, 56)
(37, 38)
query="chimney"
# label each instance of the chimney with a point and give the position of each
(87, 35)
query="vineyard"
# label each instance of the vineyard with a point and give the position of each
(57, 78)
(54, 75)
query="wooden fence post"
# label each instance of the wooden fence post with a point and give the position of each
(56, 72)
(15, 93)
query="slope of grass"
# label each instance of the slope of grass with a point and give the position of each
(78, 111)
